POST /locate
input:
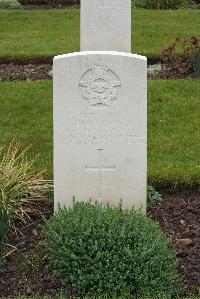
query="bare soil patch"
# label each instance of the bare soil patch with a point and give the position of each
(24, 72)
(167, 73)
(179, 216)
(38, 69)
(27, 270)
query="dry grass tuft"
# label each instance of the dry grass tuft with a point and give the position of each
(16, 177)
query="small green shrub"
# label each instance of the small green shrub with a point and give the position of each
(50, 193)
(102, 250)
(159, 4)
(11, 4)
(152, 196)
(16, 177)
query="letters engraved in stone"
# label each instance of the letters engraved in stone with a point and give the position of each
(100, 86)
(100, 124)
(100, 170)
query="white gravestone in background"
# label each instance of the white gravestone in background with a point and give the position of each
(106, 25)
(100, 128)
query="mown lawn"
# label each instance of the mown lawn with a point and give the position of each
(26, 116)
(35, 33)
(173, 126)
(173, 129)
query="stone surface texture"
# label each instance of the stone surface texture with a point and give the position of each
(106, 25)
(100, 128)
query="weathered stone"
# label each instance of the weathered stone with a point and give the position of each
(100, 128)
(106, 25)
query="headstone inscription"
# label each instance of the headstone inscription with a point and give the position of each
(100, 128)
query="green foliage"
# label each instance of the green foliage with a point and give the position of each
(196, 63)
(51, 2)
(152, 196)
(15, 178)
(50, 193)
(11, 4)
(4, 224)
(32, 2)
(159, 4)
(102, 250)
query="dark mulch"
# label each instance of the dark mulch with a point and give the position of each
(23, 72)
(27, 270)
(39, 70)
(170, 73)
(179, 216)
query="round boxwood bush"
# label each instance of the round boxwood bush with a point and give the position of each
(103, 250)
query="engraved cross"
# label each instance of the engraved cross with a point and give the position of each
(100, 168)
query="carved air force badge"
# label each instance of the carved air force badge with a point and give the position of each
(100, 86)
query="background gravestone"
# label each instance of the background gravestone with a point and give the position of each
(106, 25)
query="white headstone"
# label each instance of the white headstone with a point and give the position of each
(106, 25)
(100, 128)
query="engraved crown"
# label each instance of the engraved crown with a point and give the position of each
(99, 69)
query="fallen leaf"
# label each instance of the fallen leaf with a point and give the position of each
(184, 241)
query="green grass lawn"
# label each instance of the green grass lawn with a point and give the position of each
(173, 126)
(173, 130)
(26, 116)
(26, 34)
